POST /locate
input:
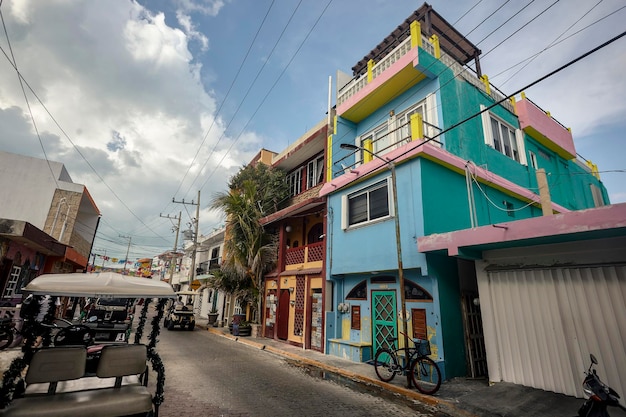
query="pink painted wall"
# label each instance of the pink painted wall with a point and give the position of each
(531, 116)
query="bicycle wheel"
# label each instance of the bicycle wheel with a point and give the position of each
(385, 365)
(6, 338)
(426, 375)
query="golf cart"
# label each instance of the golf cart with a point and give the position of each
(111, 318)
(180, 312)
(58, 382)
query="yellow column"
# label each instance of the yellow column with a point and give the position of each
(417, 126)
(367, 156)
(594, 169)
(416, 34)
(435, 41)
(513, 102)
(329, 159)
(370, 65)
(485, 81)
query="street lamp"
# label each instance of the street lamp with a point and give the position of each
(394, 189)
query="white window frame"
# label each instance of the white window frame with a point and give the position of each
(315, 172)
(14, 277)
(403, 134)
(533, 160)
(345, 204)
(294, 179)
(515, 137)
(596, 194)
(375, 136)
(428, 111)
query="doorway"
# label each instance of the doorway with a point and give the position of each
(283, 315)
(384, 320)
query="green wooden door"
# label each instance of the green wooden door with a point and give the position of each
(384, 320)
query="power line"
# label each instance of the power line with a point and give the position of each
(548, 75)
(258, 74)
(225, 97)
(270, 90)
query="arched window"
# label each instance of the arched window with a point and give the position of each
(315, 233)
(413, 292)
(358, 292)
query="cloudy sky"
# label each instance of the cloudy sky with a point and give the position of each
(149, 100)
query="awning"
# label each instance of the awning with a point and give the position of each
(309, 271)
(204, 277)
(30, 236)
(101, 284)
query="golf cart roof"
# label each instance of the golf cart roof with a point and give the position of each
(101, 284)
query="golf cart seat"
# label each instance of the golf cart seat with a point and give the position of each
(100, 396)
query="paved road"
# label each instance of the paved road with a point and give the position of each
(208, 375)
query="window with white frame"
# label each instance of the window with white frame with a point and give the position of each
(403, 121)
(503, 137)
(396, 131)
(294, 180)
(381, 141)
(427, 108)
(596, 194)
(315, 172)
(533, 160)
(366, 205)
(14, 277)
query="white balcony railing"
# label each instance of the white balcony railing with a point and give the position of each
(402, 49)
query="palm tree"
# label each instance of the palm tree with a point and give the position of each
(249, 250)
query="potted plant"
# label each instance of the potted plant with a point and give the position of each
(243, 328)
(212, 316)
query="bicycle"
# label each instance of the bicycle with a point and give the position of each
(425, 373)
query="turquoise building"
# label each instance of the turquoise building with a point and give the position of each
(415, 118)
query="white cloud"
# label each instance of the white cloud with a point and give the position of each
(184, 20)
(122, 85)
(207, 7)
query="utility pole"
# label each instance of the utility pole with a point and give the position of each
(103, 257)
(196, 221)
(394, 189)
(127, 250)
(177, 230)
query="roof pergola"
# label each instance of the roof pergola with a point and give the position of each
(451, 41)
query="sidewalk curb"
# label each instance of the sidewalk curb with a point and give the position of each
(441, 404)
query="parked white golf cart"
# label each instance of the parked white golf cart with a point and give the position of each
(180, 312)
(57, 382)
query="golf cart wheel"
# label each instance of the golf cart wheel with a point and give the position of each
(190, 326)
(170, 325)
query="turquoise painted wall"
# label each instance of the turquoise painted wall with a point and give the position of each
(452, 336)
(446, 205)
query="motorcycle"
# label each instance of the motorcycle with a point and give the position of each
(601, 396)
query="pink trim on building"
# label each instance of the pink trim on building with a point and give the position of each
(439, 156)
(537, 123)
(596, 219)
(411, 58)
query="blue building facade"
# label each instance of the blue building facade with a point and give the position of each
(464, 156)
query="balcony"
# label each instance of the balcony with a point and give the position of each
(304, 255)
(544, 129)
(395, 73)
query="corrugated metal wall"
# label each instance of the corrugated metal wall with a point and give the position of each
(544, 322)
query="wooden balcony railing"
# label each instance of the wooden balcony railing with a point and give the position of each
(309, 253)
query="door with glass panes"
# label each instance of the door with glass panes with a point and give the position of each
(384, 320)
